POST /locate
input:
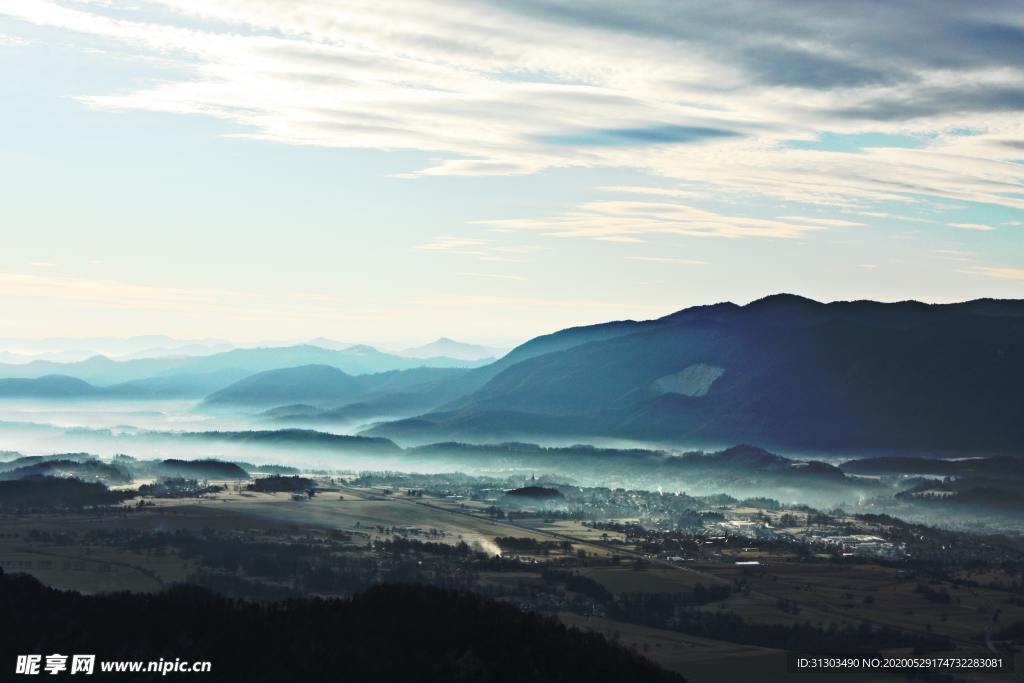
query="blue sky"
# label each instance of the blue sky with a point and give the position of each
(492, 171)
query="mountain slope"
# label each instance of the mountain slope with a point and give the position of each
(49, 386)
(324, 385)
(64, 387)
(783, 371)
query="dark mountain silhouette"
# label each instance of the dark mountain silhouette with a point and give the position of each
(91, 470)
(783, 371)
(389, 633)
(41, 493)
(534, 492)
(27, 460)
(198, 469)
(739, 469)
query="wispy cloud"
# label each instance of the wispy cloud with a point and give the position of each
(480, 249)
(956, 254)
(494, 276)
(109, 293)
(575, 305)
(669, 259)
(971, 226)
(691, 93)
(1001, 272)
(42, 264)
(12, 41)
(631, 220)
(445, 243)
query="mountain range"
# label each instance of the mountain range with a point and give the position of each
(450, 348)
(200, 375)
(781, 371)
(306, 387)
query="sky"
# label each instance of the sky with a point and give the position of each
(397, 171)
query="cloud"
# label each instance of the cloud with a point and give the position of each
(651, 135)
(783, 65)
(42, 264)
(109, 299)
(110, 293)
(626, 220)
(937, 101)
(971, 226)
(956, 254)
(12, 41)
(494, 276)
(695, 94)
(601, 307)
(480, 249)
(668, 259)
(447, 243)
(1000, 272)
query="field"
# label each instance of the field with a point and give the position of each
(781, 591)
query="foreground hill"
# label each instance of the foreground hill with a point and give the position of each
(390, 633)
(783, 371)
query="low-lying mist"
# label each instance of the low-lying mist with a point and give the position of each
(177, 429)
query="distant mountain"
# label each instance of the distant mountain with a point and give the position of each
(390, 406)
(49, 386)
(477, 377)
(70, 356)
(71, 349)
(62, 386)
(29, 460)
(740, 470)
(199, 375)
(308, 383)
(784, 371)
(300, 438)
(326, 386)
(333, 344)
(452, 349)
(184, 350)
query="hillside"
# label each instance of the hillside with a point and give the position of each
(389, 633)
(782, 371)
(324, 385)
(64, 387)
(305, 384)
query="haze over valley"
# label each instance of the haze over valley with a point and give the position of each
(785, 395)
(558, 341)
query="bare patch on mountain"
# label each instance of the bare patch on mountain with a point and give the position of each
(694, 380)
